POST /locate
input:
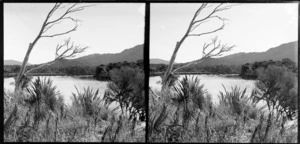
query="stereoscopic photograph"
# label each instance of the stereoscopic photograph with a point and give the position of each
(74, 72)
(223, 73)
(217, 72)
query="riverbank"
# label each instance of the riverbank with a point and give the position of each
(191, 73)
(8, 75)
(197, 73)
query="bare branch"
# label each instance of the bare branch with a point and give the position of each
(49, 26)
(40, 66)
(194, 23)
(204, 5)
(225, 8)
(46, 26)
(58, 34)
(216, 9)
(217, 50)
(205, 33)
(62, 16)
(70, 48)
(65, 16)
(56, 6)
(194, 26)
(71, 9)
(62, 7)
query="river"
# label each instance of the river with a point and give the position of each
(213, 84)
(66, 85)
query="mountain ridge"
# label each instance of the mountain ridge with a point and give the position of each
(131, 55)
(13, 62)
(286, 50)
(158, 61)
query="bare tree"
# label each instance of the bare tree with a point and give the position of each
(48, 23)
(217, 49)
(63, 51)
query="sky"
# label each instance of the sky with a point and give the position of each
(251, 28)
(104, 28)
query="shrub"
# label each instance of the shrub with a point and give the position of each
(43, 99)
(127, 89)
(189, 97)
(177, 112)
(277, 87)
(87, 102)
(233, 100)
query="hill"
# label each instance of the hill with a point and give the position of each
(287, 50)
(158, 61)
(129, 55)
(13, 62)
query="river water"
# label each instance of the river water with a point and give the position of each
(213, 84)
(66, 85)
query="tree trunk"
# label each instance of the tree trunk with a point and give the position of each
(18, 80)
(192, 25)
(45, 27)
(178, 44)
(171, 64)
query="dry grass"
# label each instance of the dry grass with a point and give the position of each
(88, 121)
(236, 119)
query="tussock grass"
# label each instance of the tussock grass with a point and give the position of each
(185, 113)
(38, 114)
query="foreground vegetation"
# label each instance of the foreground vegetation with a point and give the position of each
(38, 113)
(185, 113)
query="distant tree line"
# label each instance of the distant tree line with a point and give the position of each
(154, 68)
(102, 72)
(214, 69)
(9, 70)
(250, 70)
